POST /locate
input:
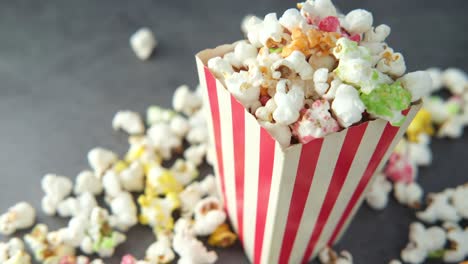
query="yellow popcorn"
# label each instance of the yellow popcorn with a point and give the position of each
(119, 166)
(162, 181)
(222, 237)
(157, 212)
(421, 124)
(134, 153)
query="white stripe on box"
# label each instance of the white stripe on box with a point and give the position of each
(252, 163)
(224, 102)
(282, 187)
(329, 153)
(364, 152)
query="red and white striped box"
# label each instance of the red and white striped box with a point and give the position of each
(287, 204)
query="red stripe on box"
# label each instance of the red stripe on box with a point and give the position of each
(265, 173)
(238, 131)
(343, 164)
(386, 139)
(214, 106)
(304, 175)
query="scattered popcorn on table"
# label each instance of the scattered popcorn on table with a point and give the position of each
(400, 168)
(143, 43)
(79, 206)
(86, 181)
(455, 80)
(409, 194)
(13, 252)
(209, 214)
(156, 114)
(195, 154)
(440, 208)
(222, 237)
(377, 196)
(422, 241)
(194, 192)
(20, 216)
(161, 250)
(111, 184)
(460, 200)
(162, 181)
(101, 159)
(163, 139)
(56, 188)
(458, 248)
(184, 171)
(186, 101)
(44, 251)
(129, 122)
(329, 256)
(124, 211)
(132, 178)
(157, 212)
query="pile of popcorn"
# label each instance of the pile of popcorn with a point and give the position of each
(160, 191)
(315, 71)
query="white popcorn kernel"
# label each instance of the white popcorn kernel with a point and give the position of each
(320, 81)
(194, 192)
(79, 206)
(460, 200)
(379, 34)
(188, 247)
(395, 261)
(377, 196)
(391, 63)
(455, 80)
(185, 101)
(143, 43)
(329, 256)
(358, 21)
(163, 139)
(129, 122)
(132, 179)
(328, 62)
(242, 89)
(180, 126)
(56, 188)
(156, 114)
(330, 95)
(458, 239)
(86, 181)
(209, 214)
(20, 216)
(292, 19)
(436, 77)
(220, 67)
(408, 194)
(47, 248)
(318, 9)
(281, 133)
(296, 63)
(124, 212)
(184, 171)
(417, 83)
(245, 53)
(195, 154)
(271, 30)
(74, 233)
(160, 251)
(422, 241)
(248, 21)
(13, 252)
(101, 159)
(111, 184)
(439, 208)
(420, 153)
(265, 113)
(288, 102)
(347, 106)
(453, 127)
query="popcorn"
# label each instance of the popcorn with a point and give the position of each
(318, 9)
(281, 133)
(194, 192)
(321, 81)
(188, 247)
(129, 122)
(185, 101)
(163, 139)
(418, 83)
(400, 168)
(439, 208)
(124, 212)
(288, 102)
(440, 111)
(265, 32)
(244, 55)
(315, 122)
(80, 206)
(101, 159)
(179, 126)
(394, 261)
(222, 237)
(328, 62)
(43, 250)
(242, 89)
(455, 80)
(452, 128)
(72, 235)
(156, 114)
(143, 43)
(420, 153)
(295, 63)
(56, 188)
(220, 67)
(377, 196)
(347, 106)
(160, 251)
(458, 239)
(101, 239)
(132, 179)
(209, 214)
(111, 184)
(378, 34)
(393, 64)
(184, 171)
(329, 256)
(421, 124)
(409, 194)
(436, 77)
(292, 19)
(249, 21)
(265, 113)
(162, 181)
(422, 241)
(358, 21)
(79, 260)
(20, 216)
(13, 252)
(157, 212)
(460, 201)
(195, 154)
(331, 93)
(86, 181)
(198, 132)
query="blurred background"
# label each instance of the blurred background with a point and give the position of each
(66, 67)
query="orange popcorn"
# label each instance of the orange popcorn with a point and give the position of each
(314, 42)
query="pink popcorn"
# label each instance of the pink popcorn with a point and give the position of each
(315, 122)
(400, 168)
(128, 259)
(329, 24)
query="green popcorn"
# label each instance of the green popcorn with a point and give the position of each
(387, 101)
(437, 254)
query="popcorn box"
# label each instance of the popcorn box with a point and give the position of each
(287, 204)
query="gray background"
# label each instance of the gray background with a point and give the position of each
(66, 68)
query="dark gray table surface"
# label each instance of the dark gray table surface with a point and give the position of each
(66, 68)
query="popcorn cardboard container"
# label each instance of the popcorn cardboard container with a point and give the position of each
(287, 204)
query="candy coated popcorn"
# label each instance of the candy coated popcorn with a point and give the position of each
(160, 251)
(209, 214)
(13, 252)
(20, 216)
(347, 106)
(421, 124)
(180, 126)
(79, 206)
(329, 256)
(417, 83)
(186, 101)
(56, 188)
(43, 250)
(422, 241)
(358, 21)
(184, 171)
(294, 63)
(222, 237)
(455, 80)
(132, 179)
(156, 114)
(124, 212)
(387, 102)
(162, 181)
(239, 85)
(315, 122)
(440, 208)
(400, 168)
(195, 154)
(377, 196)
(288, 102)
(143, 43)
(101, 159)
(86, 181)
(157, 212)
(458, 239)
(409, 194)
(329, 24)
(129, 122)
